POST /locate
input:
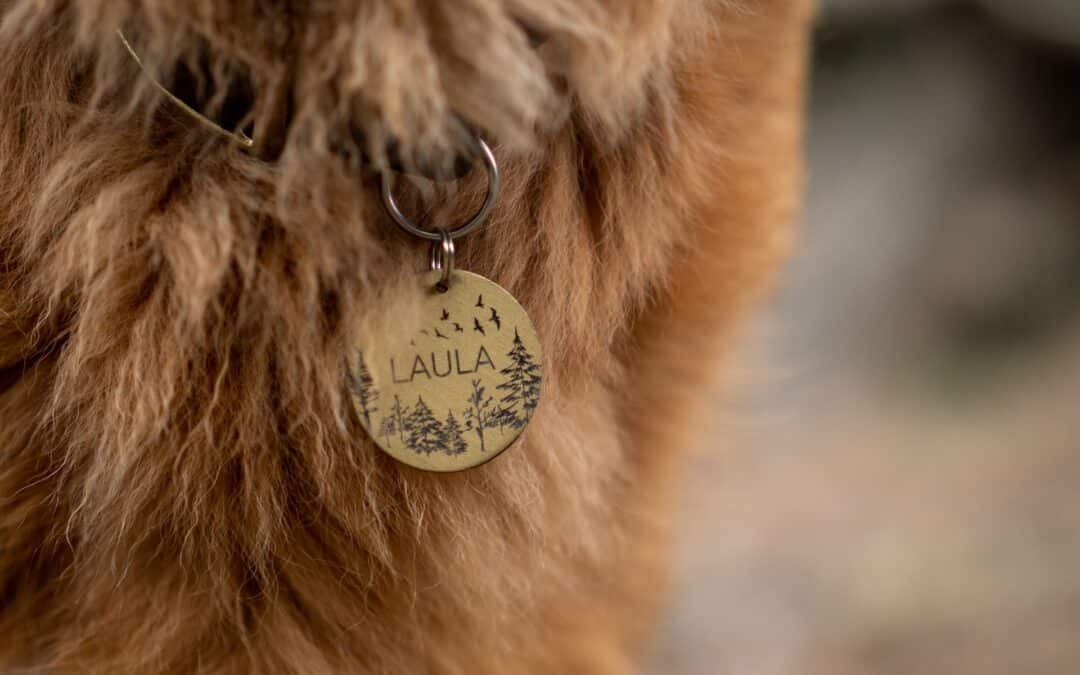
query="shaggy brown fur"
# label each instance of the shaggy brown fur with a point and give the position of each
(184, 487)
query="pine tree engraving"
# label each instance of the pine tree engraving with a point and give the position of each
(400, 415)
(387, 428)
(522, 386)
(479, 415)
(363, 387)
(453, 442)
(501, 418)
(425, 433)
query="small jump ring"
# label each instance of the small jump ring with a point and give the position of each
(442, 258)
(473, 223)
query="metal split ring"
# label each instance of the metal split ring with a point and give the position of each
(476, 221)
(442, 259)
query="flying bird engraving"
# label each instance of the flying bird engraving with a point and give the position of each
(457, 327)
(477, 327)
(479, 301)
(445, 315)
(495, 319)
(440, 335)
(425, 332)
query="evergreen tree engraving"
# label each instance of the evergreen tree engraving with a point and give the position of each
(453, 442)
(425, 432)
(363, 387)
(501, 417)
(400, 415)
(479, 415)
(387, 428)
(522, 386)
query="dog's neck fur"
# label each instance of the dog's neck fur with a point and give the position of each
(183, 485)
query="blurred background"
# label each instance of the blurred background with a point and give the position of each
(893, 484)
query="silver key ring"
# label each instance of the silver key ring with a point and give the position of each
(442, 259)
(475, 222)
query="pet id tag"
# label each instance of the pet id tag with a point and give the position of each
(462, 388)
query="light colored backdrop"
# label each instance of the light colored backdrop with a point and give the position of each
(892, 485)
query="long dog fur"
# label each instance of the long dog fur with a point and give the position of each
(184, 487)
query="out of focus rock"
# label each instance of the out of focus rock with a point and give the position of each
(1055, 21)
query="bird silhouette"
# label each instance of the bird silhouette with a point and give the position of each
(457, 327)
(440, 335)
(425, 332)
(495, 319)
(479, 301)
(445, 314)
(477, 327)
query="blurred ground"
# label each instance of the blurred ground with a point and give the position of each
(893, 485)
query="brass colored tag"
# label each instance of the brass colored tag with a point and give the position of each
(460, 391)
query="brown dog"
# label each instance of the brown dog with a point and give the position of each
(184, 486)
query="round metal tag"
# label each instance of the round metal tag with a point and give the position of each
(462, 389)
